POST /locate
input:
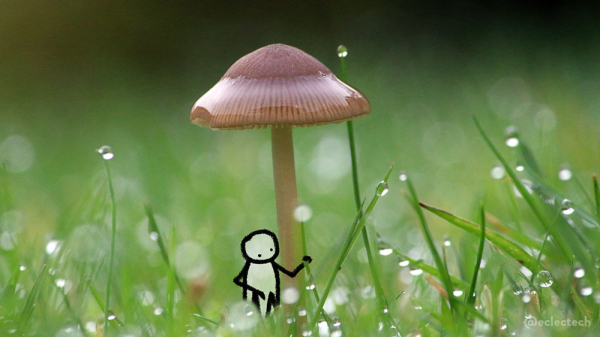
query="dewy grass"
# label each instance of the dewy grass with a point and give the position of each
(382, 302)
(471, 294)
(360, 221)
(107, 155)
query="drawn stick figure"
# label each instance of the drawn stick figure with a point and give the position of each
(259, 279)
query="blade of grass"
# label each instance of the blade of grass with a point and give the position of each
(350, 240)
(30, 302)
(382, 301)
(516, 235)
(511, 248)
(471, 294)
(596, 196)
(99, 301)
(113, 237)
(11, 287)
(456, 282)
(445, 276)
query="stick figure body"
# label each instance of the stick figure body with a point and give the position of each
(259, 279)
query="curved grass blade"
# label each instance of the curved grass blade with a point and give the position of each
(113, 238)
(456, 282)
(445, 276)
(30, 302)
(360, 222)
(516, 235)
(511, 248)
(471, 294)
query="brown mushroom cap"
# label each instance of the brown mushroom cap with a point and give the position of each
(278, 85)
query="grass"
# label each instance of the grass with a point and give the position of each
(186, 197)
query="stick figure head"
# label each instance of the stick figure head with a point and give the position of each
(260, 246)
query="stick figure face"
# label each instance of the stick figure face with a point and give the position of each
(260, 246)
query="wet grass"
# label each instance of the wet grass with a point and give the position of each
(441, 253)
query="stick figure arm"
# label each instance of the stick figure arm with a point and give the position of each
(295, 272)
(240, 281)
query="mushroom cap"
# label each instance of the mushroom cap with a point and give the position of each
(278, 85)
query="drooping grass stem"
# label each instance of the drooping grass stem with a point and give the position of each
(471, 294)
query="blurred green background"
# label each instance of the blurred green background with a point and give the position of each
(76, 75)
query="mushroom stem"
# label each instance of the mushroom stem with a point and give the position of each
(286, 196)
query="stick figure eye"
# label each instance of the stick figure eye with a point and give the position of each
(271, 249)
(259, 255)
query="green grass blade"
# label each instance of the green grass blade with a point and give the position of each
(11, 287)
(471, 294)
(562, 235)
(30, 302)
(457, 283)
(445, 276)
(515, 235)
(511, 248)
(99, 301)
(350, 240)
(113, 238)
(596, 196)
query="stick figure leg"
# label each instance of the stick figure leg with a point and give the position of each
(271, 302)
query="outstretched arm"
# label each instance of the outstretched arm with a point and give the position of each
(295, 271)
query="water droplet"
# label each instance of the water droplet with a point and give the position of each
(586, 291)
(544, 279)
(22, 268)
(525, 271)
(520, 168)
(403, 177)
(336, 322)
(386, 251)
(497, 172)
(503, 323)
(567, 207)
(302, 312)
(154, 236)
(447, 242)
(517, 289)
(70, 331)
(403, 263)
(526, 298)
(457, 293)
(382, 188)
(158, 311)
(310, 286)
(111, 317)
(306, 333)
(512, 136)
(302, 213)
(335, 333)
(106, 152)
(579, 273)
(565, 174)
(60, 282)
(146, 297)
(53, 247)
(416, 272)
(290, 320)
(385, 310)
(290, 295)
(342, 51)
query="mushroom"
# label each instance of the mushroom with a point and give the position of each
(279, 86)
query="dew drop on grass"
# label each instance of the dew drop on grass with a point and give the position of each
(301, 312)
(544, 279)
(457, 293)
(520, 168)
(503, 323)
(158, 311)
(512, 136)
(70, 331)
(323, 328)
(526, 298)
(403, 177)
(586, 291)
(579, 273)
(416, 272)
(342, 51)
(111, 317)
(302, 213)
(106, 152)
(567, 207)
(447, 242)
(154, 236)
(497, 172)
(517, 289)
(290, 320)
(385, 251)
(565, 174)
(22, 268)
(336, 322)
(382, 188)
(403, 263)
(61, 282)
(53, 246)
